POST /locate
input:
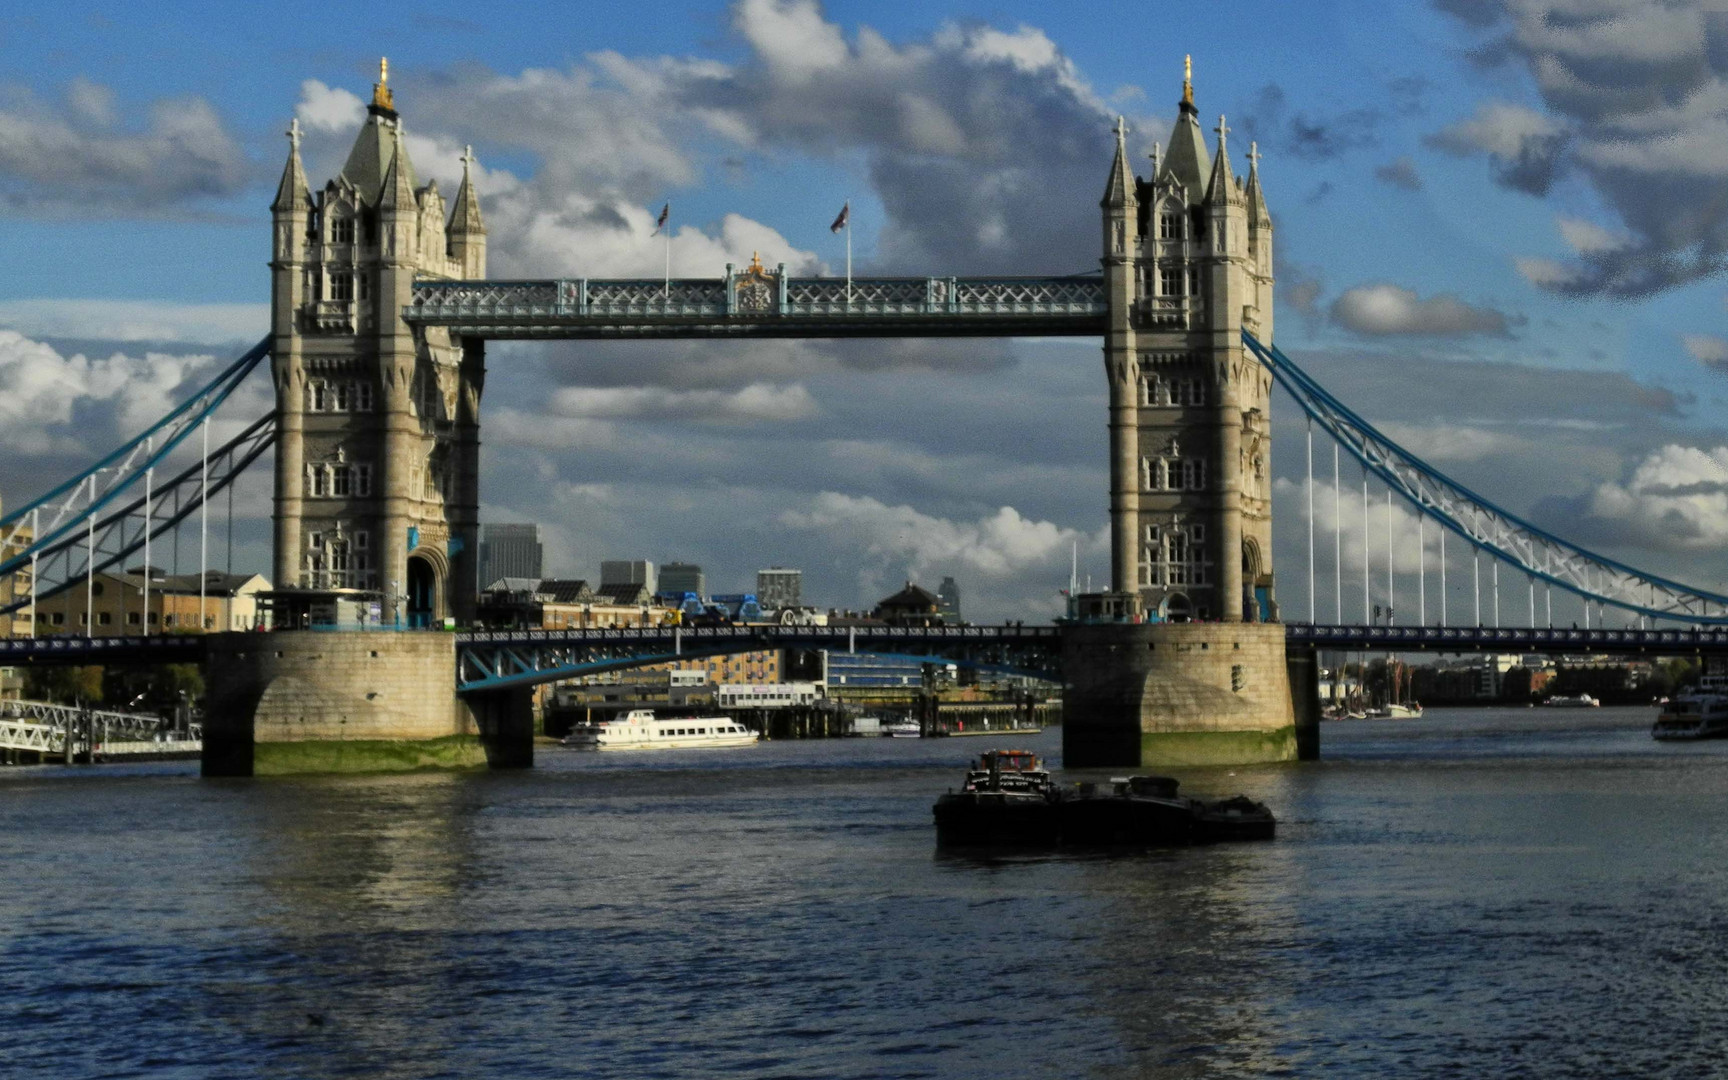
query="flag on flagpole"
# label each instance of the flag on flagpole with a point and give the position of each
(844, 219)
(665, 216)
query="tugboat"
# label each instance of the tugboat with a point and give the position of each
(1007, 799)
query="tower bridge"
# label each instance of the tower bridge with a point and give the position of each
(381, 310)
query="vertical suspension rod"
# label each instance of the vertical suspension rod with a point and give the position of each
(1367, 617)
(1313, 604)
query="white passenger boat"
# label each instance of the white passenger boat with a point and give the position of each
(903, 729)
(1582, 701)
(1699, 713)
(640, 729)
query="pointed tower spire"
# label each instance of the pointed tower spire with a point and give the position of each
(1118, 190)
(1256, 201)
(398, 189)
(466, 238)
(1222, 187)
(292, 193)
(466, 218)
(1187, 161)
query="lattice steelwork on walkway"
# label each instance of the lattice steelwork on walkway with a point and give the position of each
(764, 304)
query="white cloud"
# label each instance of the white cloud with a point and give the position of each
(328, 109)
(1676, 499)
(900, 541)
(1451, 443)
(71, 161)
(45, 397)
(1635, 103)
(1339, 517)
(1390, 309)
(1707, 349)
(756, 402)
(137, 320)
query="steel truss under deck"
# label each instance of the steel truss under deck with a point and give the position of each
(1493, 530)
(764, 305)
(496, 660)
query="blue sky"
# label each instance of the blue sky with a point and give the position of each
(1496, 234)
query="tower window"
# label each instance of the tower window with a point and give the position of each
(362, 482)
(363, 396)
(342, 230)
(342, 286)
(1169, 281)
(1170, 226)
(341, 481)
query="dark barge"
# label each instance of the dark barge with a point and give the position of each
(1009, 799)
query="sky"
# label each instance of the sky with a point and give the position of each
(1500, 235)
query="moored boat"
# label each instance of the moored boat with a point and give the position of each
(903, 729)
(1566, 701)
(641, 729)
(1699, 713)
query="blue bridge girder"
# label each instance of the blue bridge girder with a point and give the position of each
(782, 307)
(1684, 641)
(1485, 526)
(499, 659)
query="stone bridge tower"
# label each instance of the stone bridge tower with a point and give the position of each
(1188, 267)
(1184, 662)
(377, 452)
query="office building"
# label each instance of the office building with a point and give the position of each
(949, 595)
(677, 577)
(510, 551)
(629, 572)
(778, 588)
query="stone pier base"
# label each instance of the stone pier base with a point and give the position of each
(1152, 695)
(335, 702)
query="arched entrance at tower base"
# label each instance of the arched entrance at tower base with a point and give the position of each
(423, 600)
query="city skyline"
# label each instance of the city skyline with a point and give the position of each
(1502, 254)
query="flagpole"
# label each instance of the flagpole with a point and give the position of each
(668, 231)
(848, 252)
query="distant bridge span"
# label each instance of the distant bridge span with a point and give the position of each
(501, 659)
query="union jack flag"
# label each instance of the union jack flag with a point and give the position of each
(841, 221)
(665, 216)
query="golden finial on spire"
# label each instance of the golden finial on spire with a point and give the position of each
(1187, 80)
(381, 96)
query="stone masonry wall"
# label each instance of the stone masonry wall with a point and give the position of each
(1213, 693)
(307, 686)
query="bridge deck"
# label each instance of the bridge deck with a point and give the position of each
(1510, 639)
(764, 305)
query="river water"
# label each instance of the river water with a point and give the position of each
(1476, 893)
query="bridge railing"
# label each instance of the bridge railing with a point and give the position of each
(574, 300)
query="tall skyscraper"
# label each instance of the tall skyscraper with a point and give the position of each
(677, 577)
(949, 594)
(629, 572)
(510, 551)
(778, 587)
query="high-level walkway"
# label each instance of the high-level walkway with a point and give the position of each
(778, 306)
